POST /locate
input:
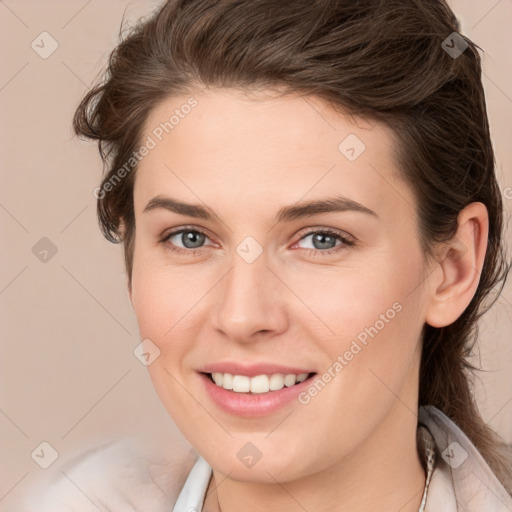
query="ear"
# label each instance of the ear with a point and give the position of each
(456, 272)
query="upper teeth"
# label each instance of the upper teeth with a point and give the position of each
(257, 384)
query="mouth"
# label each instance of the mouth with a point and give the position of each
(263, 384)
(254, 389)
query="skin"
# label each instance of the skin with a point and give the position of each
(245, 158)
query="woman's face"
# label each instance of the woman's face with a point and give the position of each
(238, 283)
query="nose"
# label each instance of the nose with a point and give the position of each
(251, 302)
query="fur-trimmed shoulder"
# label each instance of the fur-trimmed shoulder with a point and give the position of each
(121, 475)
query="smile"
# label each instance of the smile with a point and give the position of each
(257, 395)
(258, 384)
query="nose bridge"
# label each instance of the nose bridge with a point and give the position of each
(248, 302)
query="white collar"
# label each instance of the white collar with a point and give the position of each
(193, 493)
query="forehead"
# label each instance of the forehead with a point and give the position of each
(226, 144)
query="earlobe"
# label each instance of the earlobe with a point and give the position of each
(459, 262)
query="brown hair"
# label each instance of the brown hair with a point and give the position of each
(384, 60)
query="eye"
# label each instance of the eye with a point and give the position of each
(191, 240)
(325, 241)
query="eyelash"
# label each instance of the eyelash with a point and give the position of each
(346, 242)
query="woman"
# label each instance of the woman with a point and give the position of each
(306, 196)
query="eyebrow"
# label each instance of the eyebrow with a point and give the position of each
(285, 214)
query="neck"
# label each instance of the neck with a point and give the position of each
(382, 474)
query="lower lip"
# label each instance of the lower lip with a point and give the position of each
(248, 405)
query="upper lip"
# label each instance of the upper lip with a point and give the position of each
(251, 370)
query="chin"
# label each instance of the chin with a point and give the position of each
(276, 465)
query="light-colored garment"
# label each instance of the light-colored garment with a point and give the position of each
(115, 478)
(462, 480)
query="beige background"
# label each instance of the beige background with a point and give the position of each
(68, 373)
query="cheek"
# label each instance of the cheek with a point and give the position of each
(353, 303)
(153, 306)
(164, 297)
(376, 316)
(371, 321)
(164, 304)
